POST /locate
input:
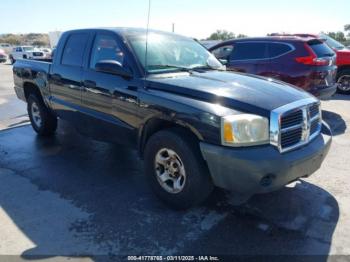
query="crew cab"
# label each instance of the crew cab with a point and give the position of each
(195, 125)
(304, 62)
(27, 52)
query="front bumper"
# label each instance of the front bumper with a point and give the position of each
(325, 92)
(262, 169)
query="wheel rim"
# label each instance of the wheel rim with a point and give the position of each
(344, 83)
(36, 115)
(170, 171)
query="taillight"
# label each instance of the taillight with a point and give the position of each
(312, 59)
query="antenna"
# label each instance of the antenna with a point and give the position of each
(148, 18)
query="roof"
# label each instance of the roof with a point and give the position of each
(129, 31)
(281, 38)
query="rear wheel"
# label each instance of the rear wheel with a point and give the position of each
(42, 120)
(176, 170)
(344, 82)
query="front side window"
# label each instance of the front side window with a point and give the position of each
(106, 47)
(166, 52)
(223, 52)
(249, 51)
(73, 52)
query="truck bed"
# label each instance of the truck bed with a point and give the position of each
(30, 71)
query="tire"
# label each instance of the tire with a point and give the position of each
(196, 185)
(343, 80)
(12, 60)
(42, 120)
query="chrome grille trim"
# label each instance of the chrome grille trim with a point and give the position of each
(309, 117)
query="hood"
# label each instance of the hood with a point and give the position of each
(246, 93)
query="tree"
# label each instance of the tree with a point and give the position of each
(339, 36)
(221, 35)
(347, 28)
(11, 39)
(40, 43)
(241, 36)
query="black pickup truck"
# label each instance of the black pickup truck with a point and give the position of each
(195, 125)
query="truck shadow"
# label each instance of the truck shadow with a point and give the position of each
(335, 122)
(75, 197)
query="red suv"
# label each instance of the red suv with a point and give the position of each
(305, 62)
(343, 61)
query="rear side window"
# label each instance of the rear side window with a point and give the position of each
(73, 52)
(249, 51)
(278, 49)
(320, 48)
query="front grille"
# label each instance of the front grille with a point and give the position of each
(296, 124)
(314, 110)
(292, 119)
(291, 138)
(38, 54)
(291, 128)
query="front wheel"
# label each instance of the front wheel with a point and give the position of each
(344, 82)
(12, 60)
(42, 120)
(176, 170)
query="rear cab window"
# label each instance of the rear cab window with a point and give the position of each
(320, 49)
(73, 53)
(249, 51)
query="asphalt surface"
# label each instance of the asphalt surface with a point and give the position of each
(71, 196)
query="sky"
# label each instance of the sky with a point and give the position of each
(194, 18)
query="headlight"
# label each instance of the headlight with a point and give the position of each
(244, 130)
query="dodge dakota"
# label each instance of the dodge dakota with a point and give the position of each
(195, 125)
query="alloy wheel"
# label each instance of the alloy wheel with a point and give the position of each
(36, 115)
(344, 83)
(170, 171)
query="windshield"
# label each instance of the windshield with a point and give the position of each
(167, 52)
(332, 42)
(28, 48)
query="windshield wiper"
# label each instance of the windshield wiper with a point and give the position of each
(203, 67)
(182, 68)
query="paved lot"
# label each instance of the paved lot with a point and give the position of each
(71, 196)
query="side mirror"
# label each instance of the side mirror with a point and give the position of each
(223, 61)
(112, 67)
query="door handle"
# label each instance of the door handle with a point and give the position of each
(89, 84)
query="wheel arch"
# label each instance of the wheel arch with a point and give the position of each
(31, 88)
(156, 124)
(341, 69)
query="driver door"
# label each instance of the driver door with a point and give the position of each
(110, 101)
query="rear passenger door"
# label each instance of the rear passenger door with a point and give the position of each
(66, 74)
(249, 57)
